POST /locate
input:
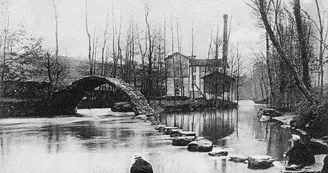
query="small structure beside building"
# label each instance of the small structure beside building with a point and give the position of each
(197, 78)
(200, 78)
(219, 85)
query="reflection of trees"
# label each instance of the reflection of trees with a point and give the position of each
(54, 137)
(274, 135)
(218, 125)
(212, 124)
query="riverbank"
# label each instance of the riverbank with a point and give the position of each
(10, 107)
(189, 105)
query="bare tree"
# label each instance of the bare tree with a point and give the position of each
(89, 37)
(104, 46)
(5, 35)
(302, 43)
(56, 27)
(192, 56)
(262, 7)
(150, 53)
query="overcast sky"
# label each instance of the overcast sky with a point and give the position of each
(38, 18)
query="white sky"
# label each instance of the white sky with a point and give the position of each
(38, 18)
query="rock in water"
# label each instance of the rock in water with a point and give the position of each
(168, 130)
(182, 141)
(203, 145)
(238, 158)
(260, 162)
(154, 122)
(187, 133)
(141, 166)
(218, 153)
(122, 107)
(160, 127)
(175, 133)
(269, 112)
(142, 117)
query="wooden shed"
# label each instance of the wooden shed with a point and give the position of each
(215, 82)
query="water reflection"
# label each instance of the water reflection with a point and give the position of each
(234, 128)
(212, 124)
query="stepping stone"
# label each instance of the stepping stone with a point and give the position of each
(168, 130)
(182, 141)
(154, 123)
(238, 158)
(218, 153)
(203, 145)
(175, 133)
(302, 171)
(160, 127)
(142, 117)
(260, 162)
(187, 133)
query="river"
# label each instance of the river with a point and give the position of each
(103, 141)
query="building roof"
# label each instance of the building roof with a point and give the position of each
(219, 76)
(177, 53)
(206, 62)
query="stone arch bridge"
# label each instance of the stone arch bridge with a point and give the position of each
(66, 100)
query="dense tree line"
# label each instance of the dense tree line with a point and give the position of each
(285, 72)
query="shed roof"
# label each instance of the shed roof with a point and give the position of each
(206, 62)
(219, 75)
(177, 53)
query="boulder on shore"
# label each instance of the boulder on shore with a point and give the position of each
(203, 145)
(260, 162)
(182, 141)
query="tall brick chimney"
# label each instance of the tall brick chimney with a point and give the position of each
(225, 43)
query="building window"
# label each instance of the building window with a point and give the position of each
(194, 78)
(193, 69)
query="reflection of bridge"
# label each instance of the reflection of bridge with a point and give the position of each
(66, 101)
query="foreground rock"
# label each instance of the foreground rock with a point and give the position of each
(182, 141)
(238, 158)
(260, 162)
(201, 145)
(302, 171)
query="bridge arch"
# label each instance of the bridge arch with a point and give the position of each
(66, 100)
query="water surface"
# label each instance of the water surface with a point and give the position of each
(103, 141)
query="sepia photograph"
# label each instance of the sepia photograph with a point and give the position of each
(163, 86)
